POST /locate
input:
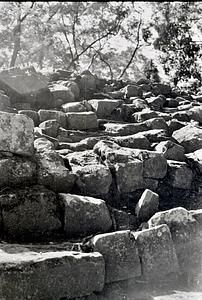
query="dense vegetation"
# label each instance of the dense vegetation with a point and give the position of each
(118, 40)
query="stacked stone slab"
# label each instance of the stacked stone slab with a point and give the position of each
(93, 166)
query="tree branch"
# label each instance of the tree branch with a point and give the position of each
(135, 50)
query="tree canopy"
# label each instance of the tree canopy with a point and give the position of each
(112, 39)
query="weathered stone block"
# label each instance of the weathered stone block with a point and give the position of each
(125, 129)
(62, 92)
(104, 108)
(129, 176)
(17, 171)
(186, 235)
(120, 253)
(25, 85)
(190, 137)
(16, 134)
(179, 174)
(154, 164)
(50, 127)
(81, 120)
(157, 252)
(49, 275)
(52, 173)
(144, 115)
(73, 107)
(171, 150)
(84, 216)
(31, 114)
(29, 214)
(147, 205)
(60, 116)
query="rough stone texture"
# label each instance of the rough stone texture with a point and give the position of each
(155, 135)
(42, 144)
(186, 235)
(120, 253)
(84, 216)
(147, 206)
(195, 113)
(154, 164)
(73, 107)
(29, 214)
(16, 134)
(136, 141)
(190, 137)
(52, 173)
(124, 129)
(156, 103)
(4, 101)
(171, 150)
(132, 90)
(25, 85)
(26, 274)
(59, 91)
(129, 175)
(60, 116)
(179, 174)
(31, 114)
(93, 179)
(196, 159)
(50, 127)
(157, 252)
(144, 115)
(87, 84)
(161, 89)
(17, 171)
(157, 123)
(81, 120)
(104, 107)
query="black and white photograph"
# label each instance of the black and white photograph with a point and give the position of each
(100, 150)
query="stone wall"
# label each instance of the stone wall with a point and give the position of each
(100, 187)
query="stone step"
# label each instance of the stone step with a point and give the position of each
(48, 275)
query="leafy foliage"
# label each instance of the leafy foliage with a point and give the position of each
(108, 38)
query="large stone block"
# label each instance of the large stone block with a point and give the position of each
(190, 137)
(31, 114)
(17, 171)
(137, 141)
(186, 235)
(125, 129)
(179, 174)
(120, 253)
(25, 85)
(81, 120)
(154, 164)
(93, 178)
(73, 107)
(157, 252)
(84, 216)
(62, 92)
(29, 214)
(52, 173)
(16, 134)
(104, 108)
(26, 274)
(45, 115)
(147, 205)
(171, 150)
(129, 175)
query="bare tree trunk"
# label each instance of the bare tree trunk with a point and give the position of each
(16, 48)
(134, 52)
(17, 33)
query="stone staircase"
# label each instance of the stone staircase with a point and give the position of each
(100, 198)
